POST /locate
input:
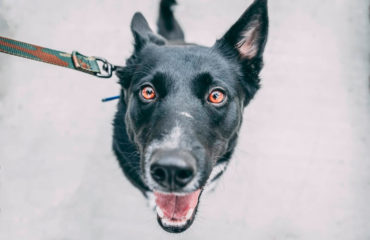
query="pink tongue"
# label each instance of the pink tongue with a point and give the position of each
(176, 207)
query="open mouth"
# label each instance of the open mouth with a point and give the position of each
(175, 213)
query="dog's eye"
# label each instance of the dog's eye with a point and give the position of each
(148, 93)
(216, 96)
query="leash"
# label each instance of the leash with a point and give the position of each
(96, 66)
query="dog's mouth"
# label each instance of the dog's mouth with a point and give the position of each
(175, 213)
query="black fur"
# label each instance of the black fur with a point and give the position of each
(167, 24)
(182, 76)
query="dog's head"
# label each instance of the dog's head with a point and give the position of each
(180, 111)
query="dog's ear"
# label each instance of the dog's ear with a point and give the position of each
(249, 34)
(244, 44)
(142, 32)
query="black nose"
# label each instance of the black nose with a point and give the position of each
(172, 170)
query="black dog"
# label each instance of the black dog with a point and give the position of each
(181, 108)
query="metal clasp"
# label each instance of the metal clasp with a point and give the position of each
(106, 67)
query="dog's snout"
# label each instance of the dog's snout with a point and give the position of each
(172, 170)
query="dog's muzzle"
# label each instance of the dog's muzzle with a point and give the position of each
(173, 176)
(173, 169)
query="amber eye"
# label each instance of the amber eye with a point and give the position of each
(148, 93)
(217, 96)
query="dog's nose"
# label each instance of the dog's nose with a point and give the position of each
(173, 170)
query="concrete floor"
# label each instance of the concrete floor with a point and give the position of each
(302, 166)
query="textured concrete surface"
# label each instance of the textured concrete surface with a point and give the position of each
(302, 166)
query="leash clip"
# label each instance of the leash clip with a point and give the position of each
(107, 68)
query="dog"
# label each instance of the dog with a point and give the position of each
(181, 108)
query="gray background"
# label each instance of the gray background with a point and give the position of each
(302, 166)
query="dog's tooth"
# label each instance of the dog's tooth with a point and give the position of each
(170, 223)
(160, 212)
(164, 221)
(167, 222)
(190, 213)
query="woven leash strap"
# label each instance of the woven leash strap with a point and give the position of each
(74, 61)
